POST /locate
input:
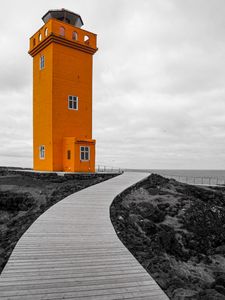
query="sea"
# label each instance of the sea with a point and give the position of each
(205, 177)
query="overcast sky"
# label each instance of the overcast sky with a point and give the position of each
(159, 81)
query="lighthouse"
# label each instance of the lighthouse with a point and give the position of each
(62, 94)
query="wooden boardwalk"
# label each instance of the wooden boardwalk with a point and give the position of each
(73, 252)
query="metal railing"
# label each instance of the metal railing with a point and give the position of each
(107, 169)
(197, 179)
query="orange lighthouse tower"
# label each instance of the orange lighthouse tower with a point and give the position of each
(62, 94)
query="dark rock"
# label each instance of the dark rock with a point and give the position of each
(220, 289)
(220, 280)
(148, 211)
(207, 260)
(168, 242)
(134, 218)
(205, 222)
(193, 244)
(176, 282)
(149, 227)
(220, 249)
(184, 294)
(210, 294)
(165, 245)
(11, 201)
(163, 206)
(164, 283)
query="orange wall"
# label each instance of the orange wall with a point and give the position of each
(42, 109)
(69, 144)
(72, 75)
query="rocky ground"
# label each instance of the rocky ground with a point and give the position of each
(177, 232)
(24, 197)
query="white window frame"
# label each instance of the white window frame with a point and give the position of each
(62, 31)
(72, 102)
(85, 150)
(42, 62)
(42, 151)
(74, 36)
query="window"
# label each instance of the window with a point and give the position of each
(42, 152)
(73, 102)
(74, 36)
(46, 31)
(62, 31)
(42, 62)
(40, 37)
(34, 42)
(68, 154)
(86, 39)
(84, 153)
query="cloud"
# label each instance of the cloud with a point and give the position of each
(158, 81)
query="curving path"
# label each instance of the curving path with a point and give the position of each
(73, 252)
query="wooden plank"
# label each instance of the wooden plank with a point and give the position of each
(73, 252)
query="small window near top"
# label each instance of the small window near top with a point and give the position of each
(34, 42)
(73, 102)
(62, 31)
(46, 31)
(42, 152)
(86, 39)
(42, 62)
(84, 153)
(68, 154)
(74, 36)
(40, 37)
